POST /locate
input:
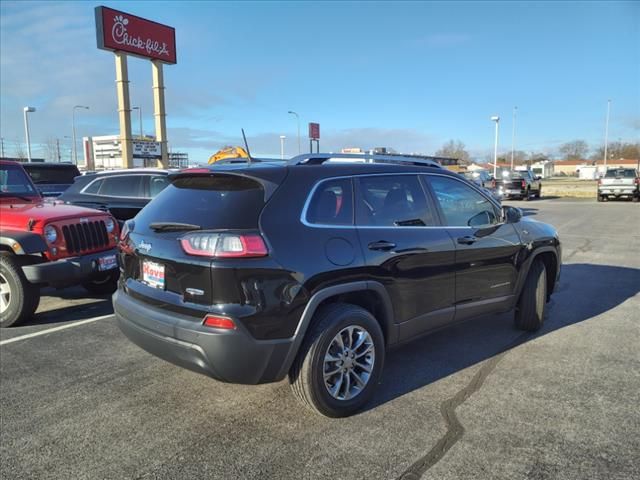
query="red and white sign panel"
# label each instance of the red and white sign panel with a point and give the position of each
(119, 31)
(314, 131)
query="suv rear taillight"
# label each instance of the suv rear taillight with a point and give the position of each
(216, 321)
(224, 245)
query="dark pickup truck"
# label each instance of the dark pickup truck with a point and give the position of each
(51, 179)
(520, 184)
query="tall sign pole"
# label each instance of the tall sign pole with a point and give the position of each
(159, 111)
(124, 109)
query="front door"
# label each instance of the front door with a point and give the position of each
(486, 248)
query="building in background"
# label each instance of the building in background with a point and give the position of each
(178, 160)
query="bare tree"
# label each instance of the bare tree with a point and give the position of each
(618, 150)
(51, 150)
(455, 149)
(20, 149)
(574, 150)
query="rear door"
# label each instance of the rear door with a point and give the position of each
(406, 250)
(486, 248)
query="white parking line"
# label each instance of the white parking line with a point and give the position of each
(54, 329)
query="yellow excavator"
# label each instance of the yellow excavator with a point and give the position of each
(228, 152)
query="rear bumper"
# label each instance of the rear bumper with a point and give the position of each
(228, 355)
(619, 191)
(67, 271)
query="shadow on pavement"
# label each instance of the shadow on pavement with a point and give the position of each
(68, 311)
(584, 292)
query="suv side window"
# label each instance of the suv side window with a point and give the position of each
(121, 186)
(157, 183)
(332, 203)
(93, 187)
(461, 205)
(392, 201)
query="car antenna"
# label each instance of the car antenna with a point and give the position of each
(246, 145)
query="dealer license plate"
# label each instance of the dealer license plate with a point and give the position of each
(108, 262)
(153, 274)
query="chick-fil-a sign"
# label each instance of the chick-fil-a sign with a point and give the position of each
(119, 31)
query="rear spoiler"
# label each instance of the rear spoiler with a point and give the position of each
(269, 180)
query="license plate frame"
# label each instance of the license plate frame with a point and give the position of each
(153, 274)
(108, 262)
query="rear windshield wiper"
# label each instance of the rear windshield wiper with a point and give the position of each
(173, 227)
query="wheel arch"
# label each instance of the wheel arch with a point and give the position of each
(22, 243)
(549, 256)
(370, 295)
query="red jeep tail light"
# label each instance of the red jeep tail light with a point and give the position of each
(217, 321)
(224, 245)
(524, 184)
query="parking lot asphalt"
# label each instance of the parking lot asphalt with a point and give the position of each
(478, 400)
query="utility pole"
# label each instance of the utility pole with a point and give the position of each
(606, 135)
(27, 110)
(58, 149)
(1, 147)
(282, 137)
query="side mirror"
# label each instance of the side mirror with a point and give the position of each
(511, 214)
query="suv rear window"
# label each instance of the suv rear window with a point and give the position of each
(212, 202)
(52, 174)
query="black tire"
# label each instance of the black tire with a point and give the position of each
(635, 199)
(599, 197)
(22, 297)
(532, 303)
(306, 376)
(527, 196)
(539, 192)
(102, 285)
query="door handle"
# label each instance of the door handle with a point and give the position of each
(382, 245)
(467, 240)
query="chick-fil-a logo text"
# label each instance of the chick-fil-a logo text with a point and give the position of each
(121, 37)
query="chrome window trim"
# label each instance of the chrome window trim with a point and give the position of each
(103, 178)
(303, 215)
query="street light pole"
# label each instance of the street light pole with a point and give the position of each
(73, 124)
(139, 120)
(513, 135)
(298, 122)
(606, 135)
(282, 137)
(26, 130)
(496, 119)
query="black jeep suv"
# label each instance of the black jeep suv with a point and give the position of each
(312, 268)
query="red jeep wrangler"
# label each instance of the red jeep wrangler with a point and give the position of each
(48, 244)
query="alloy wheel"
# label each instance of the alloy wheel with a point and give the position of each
(348, 362)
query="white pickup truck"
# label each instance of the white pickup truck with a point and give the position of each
(619, 183)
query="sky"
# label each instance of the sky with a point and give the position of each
(405, 75)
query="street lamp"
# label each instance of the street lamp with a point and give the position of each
(139, 119)
(298, 122)
(26, 129)
(73, 124)
(282, 137)
(513, 135)
(606, 134)
(496, 119)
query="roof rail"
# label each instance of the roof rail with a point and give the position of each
(320, 158)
